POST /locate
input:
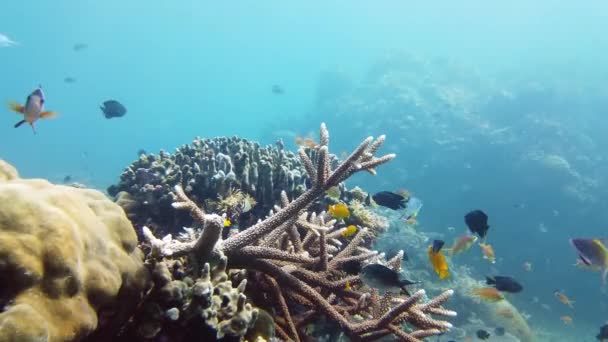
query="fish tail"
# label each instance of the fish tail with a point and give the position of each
(19, 123)
(490, 281)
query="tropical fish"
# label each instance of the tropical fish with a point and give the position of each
(227, 223)
(80, 46)
(482, 334)
(505, 312)
(277, 89)
(412, 208)
(527, 266)
(5, 41)
(477, 221)
(347, 286)
(113, 109)
(593, 253)
(33, 109)
(462, 244)
(437, 245)
(504, 284)
(384, 279)
(339, 211)
(307, 142)
(563, 298)
(351, 267)
(566, 319)
(390, 200)
(488, 294)
(349, 231)
(603, 335)
(488, 252)
(333, 192)
(439, 264)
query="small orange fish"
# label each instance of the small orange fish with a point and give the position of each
(488, 294)
(462, 244)
(349, 231)
(564, 299)
(488, 252)
(566, 319)
(439, 264)
(33, 109)
(505, 312)
(306, 142)
(339, 211)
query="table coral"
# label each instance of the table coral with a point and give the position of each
(69, 262)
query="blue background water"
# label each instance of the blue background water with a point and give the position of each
(205, 68)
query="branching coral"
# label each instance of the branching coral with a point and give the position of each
(298, 258)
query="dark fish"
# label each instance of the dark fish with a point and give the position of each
(352, 267)
(499, 331)
(482, 334)
(390, 200)
(437, 245)
(113, 109)
(67, 179)
(504, 284)
(477, 221)
(79, 46)
(277, 89)
(384, 279)
(69, 80)
(603, 335)
(141, 152)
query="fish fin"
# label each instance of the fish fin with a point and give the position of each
(48, 115)
(19, 123)
(490, 281)
(33, 128)
(16, 107)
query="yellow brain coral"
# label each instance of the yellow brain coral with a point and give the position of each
(69, 262)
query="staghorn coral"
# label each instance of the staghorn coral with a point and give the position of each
(208, 169)
(296, 258)
(69, 262)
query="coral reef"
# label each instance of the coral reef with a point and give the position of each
(296, 259)
(212, 170)
(69, 263)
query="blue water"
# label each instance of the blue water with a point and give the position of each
(205, 68)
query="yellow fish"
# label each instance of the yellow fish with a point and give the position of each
(33, 109)
(227, 223)
(488, 252)
(439, 264)
(349, 231)
(339, 211)
(347, 286)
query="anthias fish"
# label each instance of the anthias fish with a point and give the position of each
(33, 109)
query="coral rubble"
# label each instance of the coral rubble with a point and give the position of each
(69, 263)
(295, 259)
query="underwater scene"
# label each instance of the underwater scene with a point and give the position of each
(303, 171)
